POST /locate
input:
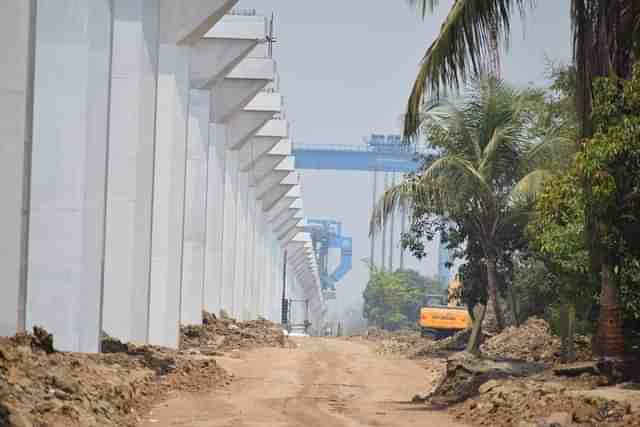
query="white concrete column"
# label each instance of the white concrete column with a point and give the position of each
(69, 169)
(249, 283)
(17, 26)
(195, 209)
(265, 280)
(182, 24)
(242, 203)
(168, 194)
(259, 261)
(213, 274)
(130, 169)
(231, 213)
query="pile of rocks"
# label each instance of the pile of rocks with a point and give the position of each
(218, 335)
(39, 386)
(532, 342)
(533, 403)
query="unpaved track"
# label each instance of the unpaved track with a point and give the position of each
(322, 383)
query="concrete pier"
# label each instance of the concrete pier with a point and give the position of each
(17, 24)
(146, 171)
(130, 168)
(69, 170)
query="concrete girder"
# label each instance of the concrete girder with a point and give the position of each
(275, 127)
(275, 177)
(288, 225)
(276, 194)
(254, 149)
(216, 54)
(299, 256)
(284, 170)
(266, 164)
(246, 124)
(212, 59)
(290, 236)
(295, 246)
(284, 202)
(185, 23)
(276, 215)
(284, 207)
(240, 88)
(277, 219)
(301, 265)
(282, 224)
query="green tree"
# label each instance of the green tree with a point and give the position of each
(485, 159)
(392, 300)
(606, 39)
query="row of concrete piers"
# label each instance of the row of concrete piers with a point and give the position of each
(145, 171)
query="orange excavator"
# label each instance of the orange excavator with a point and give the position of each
(444, 315)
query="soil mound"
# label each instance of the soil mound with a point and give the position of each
(541, 402)
(225, 334)
(43, 387)
(532, 342)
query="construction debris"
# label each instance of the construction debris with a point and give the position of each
(533, 342)
(465, 375)
(42, 387)
(539, 401)
(225, 334)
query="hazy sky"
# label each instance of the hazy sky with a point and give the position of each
(346, 69)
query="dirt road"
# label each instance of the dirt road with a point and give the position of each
(321, 383)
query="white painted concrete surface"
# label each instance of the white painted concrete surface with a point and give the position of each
(17, 26)
(71, 105)
(130, 169)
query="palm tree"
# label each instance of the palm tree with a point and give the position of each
(485, 159)
(606, 41)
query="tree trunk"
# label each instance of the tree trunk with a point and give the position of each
(609, 340)
(568, 322)
(473, 346)
(493, 321)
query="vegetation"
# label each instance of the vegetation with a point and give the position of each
(392, 300)
(589, 205)
(480, 180)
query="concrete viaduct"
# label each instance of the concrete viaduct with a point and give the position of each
(145, 171)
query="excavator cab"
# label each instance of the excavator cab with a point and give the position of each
(440, 319)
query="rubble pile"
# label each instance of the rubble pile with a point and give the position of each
(535, 402)
(42, 387)
(532, 342)
(217, 335)
(443, 347)
(400, 346)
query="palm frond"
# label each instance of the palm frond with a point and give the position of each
(528, 188)
(459, 50)
(448, 183)
(445, 127)
(390, 201)
(425, 6)
(497, 153)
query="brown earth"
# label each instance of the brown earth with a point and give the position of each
(322, 382)
(225, 334)
(40, 387)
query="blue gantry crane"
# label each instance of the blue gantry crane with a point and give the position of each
(387, 154)
(325, 235)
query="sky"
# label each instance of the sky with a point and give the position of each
(346, 68)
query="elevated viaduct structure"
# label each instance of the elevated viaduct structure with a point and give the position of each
(145, 171)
